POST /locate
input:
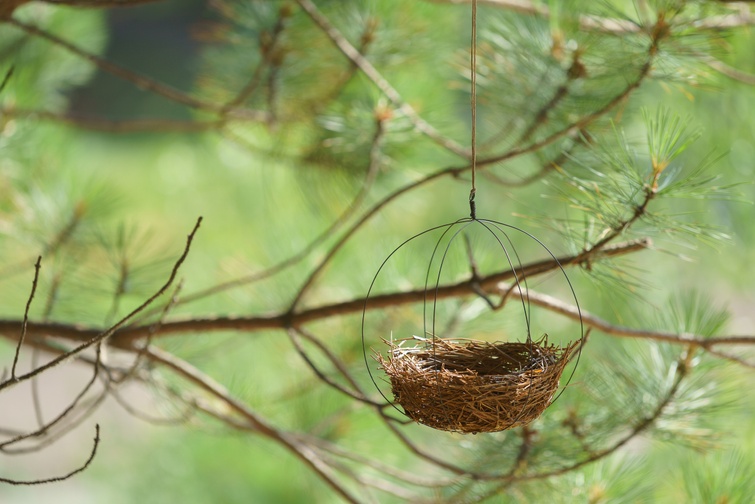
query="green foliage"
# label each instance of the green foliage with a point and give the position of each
(45, 73)
(718, 477)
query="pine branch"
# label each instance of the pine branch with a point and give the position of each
(124, 337)
(367, 183)
(380, 82)
(253, 422)
(100, 336)
(591, 23)
(124, 126)
(106, 4)
(140, 81)
(659, 32)
(699, 341)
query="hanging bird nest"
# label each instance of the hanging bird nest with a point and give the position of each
(473, 386)
(466, 385)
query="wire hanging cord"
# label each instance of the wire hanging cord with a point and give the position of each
(473, 106)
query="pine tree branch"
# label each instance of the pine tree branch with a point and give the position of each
(98, 337)
(643, 425)
(726, 70)
(268, 49)
(252, 421)
(378, 80)
(138, 80)
(658, 33)
(741, 18)
(105, 4)
(124, 126)
(706, 343)
(125, 337)
(364, 190)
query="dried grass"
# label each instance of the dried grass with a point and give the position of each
(473, 386)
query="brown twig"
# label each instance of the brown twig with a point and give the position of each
(105, 4)
(42, 430)
(154, 329)
(303, 452)
(7, 77)
(124, 126)
(367, 183)
(21, 339)
(109, 332)
(66, 476)
(728, 71)
(140, 81)
(706, 343)
(356, 393)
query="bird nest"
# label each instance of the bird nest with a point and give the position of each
(473, 386)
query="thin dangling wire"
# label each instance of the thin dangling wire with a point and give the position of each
(473, 106)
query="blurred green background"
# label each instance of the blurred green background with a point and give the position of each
(261, 205)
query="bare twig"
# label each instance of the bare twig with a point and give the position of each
(356, 203)
(21, 339)
(7, 77)
(138, 80)
(305, 453)
(43, 429)
(124, 126)
(154, 329)
(109, 332)
(356, 393)
(706, 343)
(66, 476)
(730, 72)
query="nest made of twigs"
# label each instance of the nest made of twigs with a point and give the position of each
(474, 386)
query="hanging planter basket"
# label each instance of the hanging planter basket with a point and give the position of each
(467, 385)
